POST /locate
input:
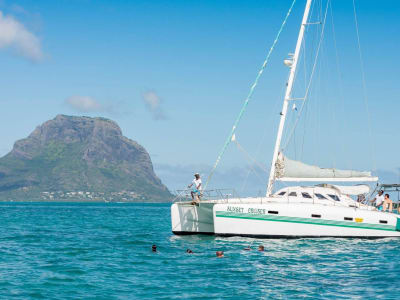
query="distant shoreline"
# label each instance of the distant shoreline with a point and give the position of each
(94, 202)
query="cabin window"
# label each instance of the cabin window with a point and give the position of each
(334, 197)
(316, 216)
(306, 195)
(293, 194)
(319, 196)
(282, 193)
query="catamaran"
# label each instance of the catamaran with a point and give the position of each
(322, 210)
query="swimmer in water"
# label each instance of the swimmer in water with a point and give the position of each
(249, 247)
(189, 251)
(260, 248)
(220, 254)
(154, 248)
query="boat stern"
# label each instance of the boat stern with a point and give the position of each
(187, 218)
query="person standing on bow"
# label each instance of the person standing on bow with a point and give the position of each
(196, 184)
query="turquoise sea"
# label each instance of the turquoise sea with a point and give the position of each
(103, 251)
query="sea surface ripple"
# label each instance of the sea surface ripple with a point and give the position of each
(103, 251)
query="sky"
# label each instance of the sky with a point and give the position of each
(174, 75)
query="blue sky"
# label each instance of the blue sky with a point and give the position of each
(174, 75)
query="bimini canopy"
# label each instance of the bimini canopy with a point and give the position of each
(292, 170)
(359, 189)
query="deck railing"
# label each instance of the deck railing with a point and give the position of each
(227, 194)
(215, 194)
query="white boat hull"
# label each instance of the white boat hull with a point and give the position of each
(285, 216)
(191, 219)
(275, 220)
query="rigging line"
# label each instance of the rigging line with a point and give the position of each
(311, 77)
(324, 90)
(253, 160)
(304, 134)
(294, 139)
(315, 94)
(228, 140)
(313, 90)
(305, 61)
(364, 87)
(270, 123)
(251, 167)
(305, 87)
(344, 122)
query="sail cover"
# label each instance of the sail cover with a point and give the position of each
(291, 170)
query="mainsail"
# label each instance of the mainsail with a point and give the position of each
(292, 170)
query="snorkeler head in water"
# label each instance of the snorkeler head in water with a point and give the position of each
(220, 253)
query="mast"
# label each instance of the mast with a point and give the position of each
(286, 100)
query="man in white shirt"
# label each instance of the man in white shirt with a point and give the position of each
(379, 199)
(196, 183)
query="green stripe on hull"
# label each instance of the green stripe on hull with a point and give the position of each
(224, 214)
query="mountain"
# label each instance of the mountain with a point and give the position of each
(79, 158)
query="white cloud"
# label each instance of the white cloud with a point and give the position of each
(153, 104)
(14, 35)
(83, 104)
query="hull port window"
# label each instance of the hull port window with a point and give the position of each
(383, 221)
(319, 196)
(306, 195)
(316, 216)
(293, 194)
(274, 212)
(348, 219)
(334, 197)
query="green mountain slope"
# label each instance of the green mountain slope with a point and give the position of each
(79, 154)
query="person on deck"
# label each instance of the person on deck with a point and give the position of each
(361, 198)
(196, 184)
(387, 202)
(378, 200)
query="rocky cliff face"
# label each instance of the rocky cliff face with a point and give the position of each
(74, 154)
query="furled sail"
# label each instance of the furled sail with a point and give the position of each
(291, 170)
